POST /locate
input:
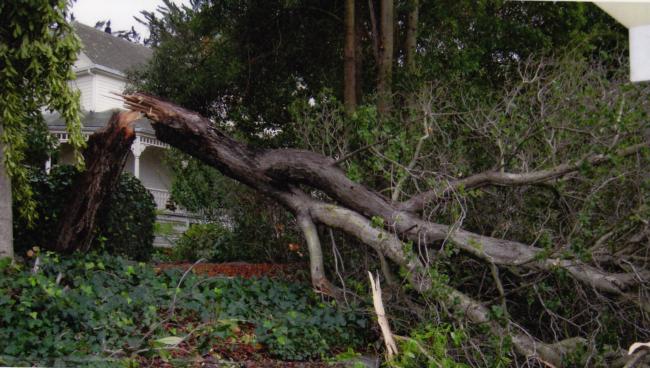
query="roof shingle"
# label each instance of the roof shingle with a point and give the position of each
(110, 51)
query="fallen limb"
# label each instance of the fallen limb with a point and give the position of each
(279, 173)
(316, 267)
(274, 172)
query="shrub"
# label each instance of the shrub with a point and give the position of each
(209, 241)
(260, 228)
(215, 242)
(50, 192)
(126, 226)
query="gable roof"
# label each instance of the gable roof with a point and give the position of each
(110, 51)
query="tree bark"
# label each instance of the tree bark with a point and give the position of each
(358, 52)
(316, 266)
(385, 65)
(349, 59)
(6, 217)
(105, 157)
(411, 34)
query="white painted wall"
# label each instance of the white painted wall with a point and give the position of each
(84, 84)
(105, 86)
(96, 86)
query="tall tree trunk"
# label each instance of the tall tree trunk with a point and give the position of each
(410, 51)
(386, 49)
(349, 62)
(411, 34)
(6, 218)
(105, 157)
(358, 52)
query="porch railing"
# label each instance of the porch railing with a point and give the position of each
(160, 197)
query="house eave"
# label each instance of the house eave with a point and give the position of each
(96, 68)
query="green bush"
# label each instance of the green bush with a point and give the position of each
(125, 228)
(51, 193)
(260, 228)
(92, 308)
(209, 241)
(215, 242)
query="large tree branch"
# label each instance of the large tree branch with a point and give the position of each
(278, 174)
(524, 343)
(274, 172)
(417, 203)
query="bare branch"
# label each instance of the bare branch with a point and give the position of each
(499, 178)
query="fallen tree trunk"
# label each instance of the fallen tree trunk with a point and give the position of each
(279, 174)
(105, 156)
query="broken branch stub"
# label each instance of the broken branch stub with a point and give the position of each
(105, 156)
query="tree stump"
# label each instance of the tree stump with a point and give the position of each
(105, 156)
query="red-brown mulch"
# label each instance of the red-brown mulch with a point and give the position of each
(233, 269)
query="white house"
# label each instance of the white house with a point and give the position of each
(101, 70)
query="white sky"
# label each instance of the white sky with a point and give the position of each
(120, 12)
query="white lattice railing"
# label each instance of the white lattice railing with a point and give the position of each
(148, 141)
(64, 137)
(160, 197)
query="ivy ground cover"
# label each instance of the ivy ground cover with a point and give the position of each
(100, 310)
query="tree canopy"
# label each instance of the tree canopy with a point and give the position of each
(37, 48)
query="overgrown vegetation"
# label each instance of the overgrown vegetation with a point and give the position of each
(100, 309)
(461, 129)
(125, 229)
(241, 225)
(495, 150)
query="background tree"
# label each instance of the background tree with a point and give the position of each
(38, 49)
(503, 187)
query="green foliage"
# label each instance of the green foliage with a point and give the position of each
(208, 241)
(38, 49)
(97, 307)
(197, 187)
(207, 54)
(303, 333)
(259, 229)
(51, 193)
(125, 228)
(429, 345)
(41, 145)
(496, 34)
(482, 97)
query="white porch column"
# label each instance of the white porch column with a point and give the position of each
(57, 146)
(137, 148)
(48, 164)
